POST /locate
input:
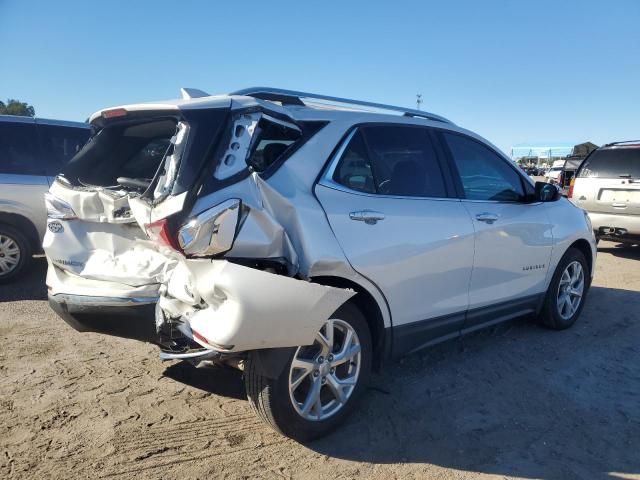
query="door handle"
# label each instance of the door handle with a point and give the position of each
(487, 217)
(367, 216)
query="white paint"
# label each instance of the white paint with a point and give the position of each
(249, 309)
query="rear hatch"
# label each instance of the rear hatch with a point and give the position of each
(608, 181)
(109, 211)
(137, 198)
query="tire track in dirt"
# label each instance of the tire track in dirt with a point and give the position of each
(170, 445)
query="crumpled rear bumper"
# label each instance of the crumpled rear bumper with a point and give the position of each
(131, 317)
(228, 307)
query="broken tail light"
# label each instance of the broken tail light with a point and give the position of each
(58, 208)
(212, 231)
(160, 232)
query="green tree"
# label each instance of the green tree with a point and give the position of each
(16, 107)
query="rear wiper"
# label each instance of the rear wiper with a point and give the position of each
(134, 183)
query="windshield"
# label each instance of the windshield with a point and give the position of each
(615, 162)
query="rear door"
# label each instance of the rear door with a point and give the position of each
(388, 200)
(23, 180)
(513, 238)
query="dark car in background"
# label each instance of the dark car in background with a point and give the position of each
(32, 152)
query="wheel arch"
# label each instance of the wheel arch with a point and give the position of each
(585, 247)
(25, 226)
(372, 312)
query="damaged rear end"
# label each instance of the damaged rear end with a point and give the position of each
(164, 229)
(107, 243)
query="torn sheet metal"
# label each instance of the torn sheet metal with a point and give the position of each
(108, 245)
(109, 252)
(95, 204)
(234, 159)
(238, 308)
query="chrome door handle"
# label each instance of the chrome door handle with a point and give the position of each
(367, 216)
(487, 217)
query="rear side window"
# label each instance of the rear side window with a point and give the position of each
(59, 144)
(272, 138)
(391, 160)
(354, 169)
(616, 162)
(19, 149)
(484, 175)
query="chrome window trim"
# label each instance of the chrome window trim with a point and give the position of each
(470, 200)
(327, 178)
(336, 186)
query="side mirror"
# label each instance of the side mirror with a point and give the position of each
(546, 192)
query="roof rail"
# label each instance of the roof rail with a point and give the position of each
(292, 97)
(618, 143)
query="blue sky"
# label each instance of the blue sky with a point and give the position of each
(512, 71)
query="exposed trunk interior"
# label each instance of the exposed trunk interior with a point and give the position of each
(126, 154)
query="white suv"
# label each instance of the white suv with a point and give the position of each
(304, 239)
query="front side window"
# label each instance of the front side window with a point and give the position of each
(391, 160)
(484, 175)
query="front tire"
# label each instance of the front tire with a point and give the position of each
(567, 292)
(320, 383)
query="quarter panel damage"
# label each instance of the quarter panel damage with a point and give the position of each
(237, 308)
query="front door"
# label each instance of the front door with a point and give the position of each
(513, 236)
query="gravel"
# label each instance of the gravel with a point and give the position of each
(513, 401)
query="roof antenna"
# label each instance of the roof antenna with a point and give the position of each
(418, 100)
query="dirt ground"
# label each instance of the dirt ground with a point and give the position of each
(513, 401)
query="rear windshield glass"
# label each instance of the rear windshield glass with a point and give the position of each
(617, 162)
(122, 150)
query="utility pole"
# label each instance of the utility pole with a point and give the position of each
(418, 100)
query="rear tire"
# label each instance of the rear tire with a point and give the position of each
(15, 253)
(280, 404)
(567, 291)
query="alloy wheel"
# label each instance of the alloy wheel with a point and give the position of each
(324, 375)
(570, 290)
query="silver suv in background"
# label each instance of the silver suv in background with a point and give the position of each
(607, 185)
(32, 152)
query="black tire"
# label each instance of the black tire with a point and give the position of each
(549, 315)
(270, 399)
(23, 245)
